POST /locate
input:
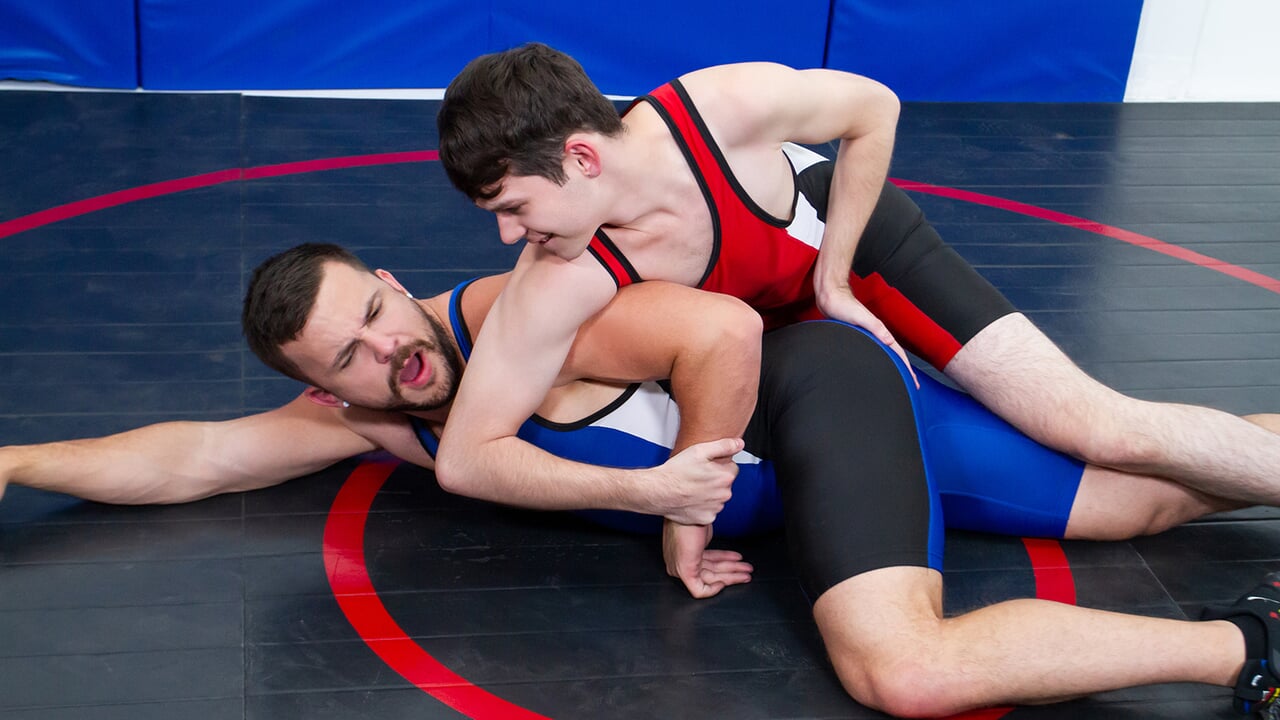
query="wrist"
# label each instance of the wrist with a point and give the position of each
(8, 467)
(637, 491)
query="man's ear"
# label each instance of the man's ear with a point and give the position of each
(323, 397)
(581, 152)
(391, 280)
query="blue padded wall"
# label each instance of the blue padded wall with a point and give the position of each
(995, 50)
(289, 44)
(1011, 50)
(71, 42)
(631, 48)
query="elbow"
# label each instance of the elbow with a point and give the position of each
(728, 337)
(893, 104)
(888, 102)
(744, 333)
(734, 324)
(452, 474)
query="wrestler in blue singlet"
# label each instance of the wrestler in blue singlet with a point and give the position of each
(863, 469)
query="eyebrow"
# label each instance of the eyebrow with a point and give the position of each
(505, 206)
(349, 347)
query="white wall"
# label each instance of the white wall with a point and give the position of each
(1206, 50)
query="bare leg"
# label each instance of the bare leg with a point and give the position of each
(1012, 368)
(1115, 505)
(894, 651)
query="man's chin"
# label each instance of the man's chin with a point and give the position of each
(404, 404)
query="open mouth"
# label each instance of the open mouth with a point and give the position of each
(416, 371)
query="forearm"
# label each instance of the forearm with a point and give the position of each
(862, 165)
(148, 465)
(184, 461)
(511, 471)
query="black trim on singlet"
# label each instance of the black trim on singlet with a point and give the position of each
(461, 335)
(725, 170)
(588, 420)
(608, 270)
(692, 162)
(459, 322)
(612, 247)
(814, 182)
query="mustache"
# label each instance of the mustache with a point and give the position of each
(401, 358)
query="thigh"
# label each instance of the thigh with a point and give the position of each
(989, 475)
(842, 435)
(1017, 371)
(932, 300)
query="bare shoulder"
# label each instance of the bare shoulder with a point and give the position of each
(740, 102)
(552, 291)
(756, 104)
(734, 77)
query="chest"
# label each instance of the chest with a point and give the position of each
(707, 206)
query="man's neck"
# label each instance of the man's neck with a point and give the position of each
(649, 177)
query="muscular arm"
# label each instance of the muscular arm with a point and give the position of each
(708, 345)
(517, 356)
(631, 340)
(183, 461)
(714, 372)
(757, 106)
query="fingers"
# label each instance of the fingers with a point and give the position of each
(721, 449)
(719, 569)
(709, 583)
(881, 331)
(907, 362)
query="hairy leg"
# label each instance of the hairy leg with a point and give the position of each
(893, 649)
(1014, 369)
(1116, 505)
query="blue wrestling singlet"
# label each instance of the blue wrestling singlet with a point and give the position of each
(986, 475)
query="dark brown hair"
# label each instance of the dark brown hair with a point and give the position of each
(281, 296)
(512, 111)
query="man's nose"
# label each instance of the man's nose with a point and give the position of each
(384, 346)
(510, 230)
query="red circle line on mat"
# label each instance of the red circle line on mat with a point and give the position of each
(344, 563)
(167, 187)
(1253, 278)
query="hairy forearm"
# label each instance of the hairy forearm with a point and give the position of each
(148, 465)
(183, 461)
(862, 164)
(514, 472)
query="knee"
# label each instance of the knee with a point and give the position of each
(902, 681)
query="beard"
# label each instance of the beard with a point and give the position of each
(446, 377)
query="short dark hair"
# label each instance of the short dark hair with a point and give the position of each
(281, 296)
(512, 111)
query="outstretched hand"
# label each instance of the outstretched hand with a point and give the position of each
(704, 572)
(697, 482)
(840, 304)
